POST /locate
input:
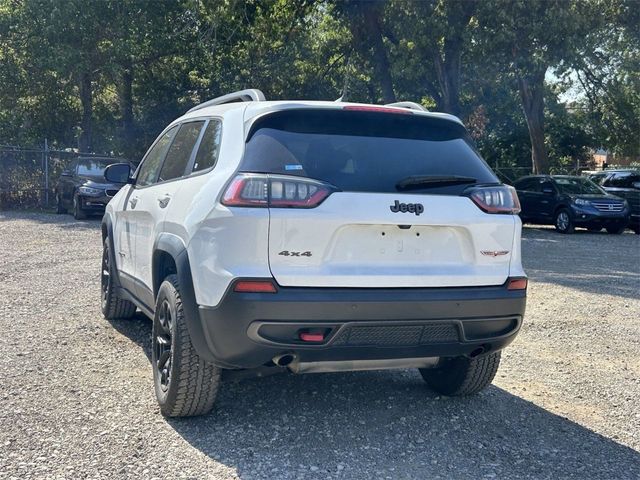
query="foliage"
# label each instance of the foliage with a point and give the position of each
(110, 74)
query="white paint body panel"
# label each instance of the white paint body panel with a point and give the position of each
(355, 241)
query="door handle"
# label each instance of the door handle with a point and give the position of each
(133, 201)
(164, 201)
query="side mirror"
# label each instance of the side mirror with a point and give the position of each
(118, 173)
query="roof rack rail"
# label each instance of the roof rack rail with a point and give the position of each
(409, 105)
(249, 95)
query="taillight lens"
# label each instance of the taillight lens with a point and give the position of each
(519, 283)
(278, 191)
(495, 199)
(255, 286)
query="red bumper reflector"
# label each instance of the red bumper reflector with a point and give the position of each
(255, 286)
(311, 337)
(517, 284)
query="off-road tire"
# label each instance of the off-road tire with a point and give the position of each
(192, 382)
(461, 375)
(617, 230)
(112, 305)
(563, 224)
(78, 213)
(59, 208)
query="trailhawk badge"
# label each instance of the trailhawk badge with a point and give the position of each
(494, 253)
(416, 208)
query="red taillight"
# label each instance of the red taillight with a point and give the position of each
(367, 108)
(255, 286)
(496, 199)
(517, 284)
(278, 191)
(245, 191)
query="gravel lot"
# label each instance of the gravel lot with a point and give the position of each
(77, 399)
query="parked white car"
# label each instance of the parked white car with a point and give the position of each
(316, 236)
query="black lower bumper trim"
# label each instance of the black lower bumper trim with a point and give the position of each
(247, 330)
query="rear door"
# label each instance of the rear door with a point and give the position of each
(397, 214)
(154, 198)
(623, 184)
(543, 199)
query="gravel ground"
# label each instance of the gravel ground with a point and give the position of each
(77, 400)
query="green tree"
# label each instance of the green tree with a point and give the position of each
(527, 38)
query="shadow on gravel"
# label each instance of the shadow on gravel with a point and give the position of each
(592, 262)
(388, 424)
(137, 329)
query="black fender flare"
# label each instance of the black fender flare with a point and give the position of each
(174, 246)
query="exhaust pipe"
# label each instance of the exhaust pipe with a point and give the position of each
(283, 359)
(478, 351)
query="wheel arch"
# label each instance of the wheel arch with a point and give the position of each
(560, 207)
(169, 254)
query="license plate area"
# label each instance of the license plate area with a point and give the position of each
(395, 244)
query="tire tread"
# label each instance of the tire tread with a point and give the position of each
(463, 376)
(198, 381)
(116, 307)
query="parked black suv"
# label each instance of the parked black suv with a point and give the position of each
(568, 202)
(624, 184)
(82, 187)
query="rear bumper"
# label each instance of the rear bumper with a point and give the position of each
(247, 330)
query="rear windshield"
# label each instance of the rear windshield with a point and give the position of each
(364, 151)
(577, 185)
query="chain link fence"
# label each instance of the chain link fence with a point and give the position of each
(28, 177)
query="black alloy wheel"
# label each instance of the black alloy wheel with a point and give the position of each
(162, 345)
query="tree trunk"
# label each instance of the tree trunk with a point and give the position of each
(531, 89)
(380, 59)
(86, 123)
(449, 82)
(125, 99)
(448, 59)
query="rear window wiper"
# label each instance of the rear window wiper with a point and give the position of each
(427, 181)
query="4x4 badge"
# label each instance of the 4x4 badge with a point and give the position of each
(416, 208)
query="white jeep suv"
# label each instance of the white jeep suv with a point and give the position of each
(317, 237)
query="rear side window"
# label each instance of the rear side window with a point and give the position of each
(623, 180)
(363, 151)
(598, 178)
(153, 161)
(179, 153)
(207, 155)
(528, 185)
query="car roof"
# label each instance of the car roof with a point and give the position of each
(253, 110)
